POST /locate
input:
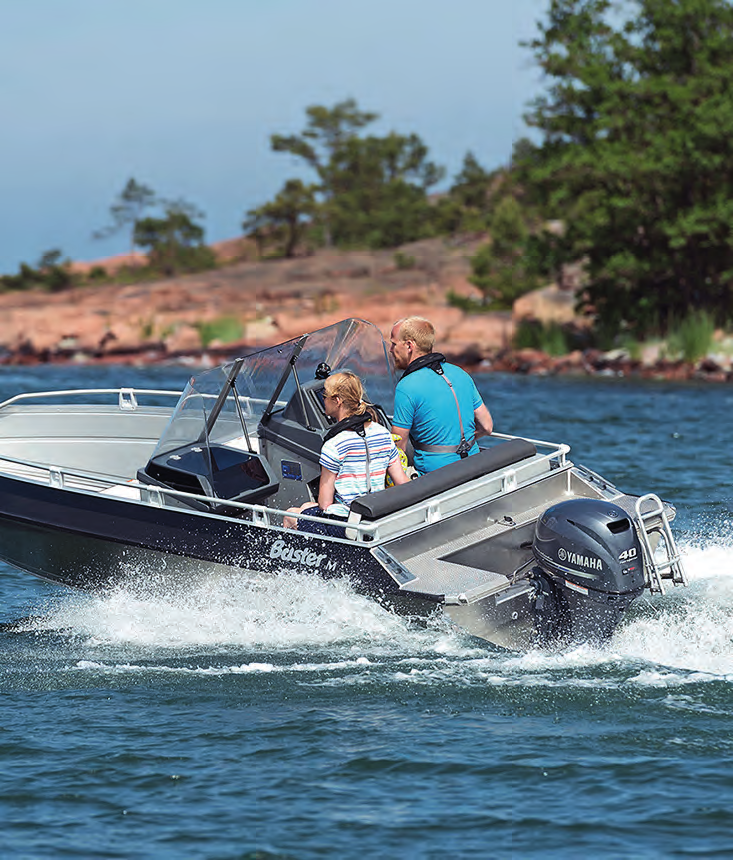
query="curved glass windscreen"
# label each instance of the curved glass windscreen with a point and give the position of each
(228, 402)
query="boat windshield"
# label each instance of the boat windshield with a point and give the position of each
(229, 401)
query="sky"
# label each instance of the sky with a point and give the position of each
(183, 95)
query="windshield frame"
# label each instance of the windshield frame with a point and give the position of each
(229, 401)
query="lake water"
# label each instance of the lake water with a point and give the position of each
(295, 719)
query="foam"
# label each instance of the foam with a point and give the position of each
(682, 638)
(243, 610)
(688, 629)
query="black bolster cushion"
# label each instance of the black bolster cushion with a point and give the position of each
(374, 505)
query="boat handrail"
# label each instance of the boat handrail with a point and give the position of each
(261, 514)
(62, 478)
(127, 397)
(560, 447)
(69, 392)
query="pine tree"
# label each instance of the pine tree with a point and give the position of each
(637, 153)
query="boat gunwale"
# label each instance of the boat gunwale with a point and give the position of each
(121, 392)
(422, 513)
(426, 512)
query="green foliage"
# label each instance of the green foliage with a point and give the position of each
(222, 329)
(524, 152)
(499, 268)
(471, 185)
(466, 206)
(97, 273)
(57, 279)
(449, 216)
(379, 191)
(53, 274)
(326, 131)
(370, 191)
(550, 338)
(545, 252)
(25, 279)
(692, 338)
(128, 209)
(637, 156)
(197, 258)
(175, 241)
(282, 220)
(467, 303)
(147, 328)
(49, 259)
(404, 261)
(525, 157)
(50, 274)
(632, 346)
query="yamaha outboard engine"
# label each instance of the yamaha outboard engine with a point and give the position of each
(590, 570)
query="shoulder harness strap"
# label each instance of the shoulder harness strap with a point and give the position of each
(434, 360)
(357, 423)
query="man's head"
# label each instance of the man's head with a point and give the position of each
(411, 338)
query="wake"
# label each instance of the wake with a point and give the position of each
(683, 636)
(688, 628)
(244, 610)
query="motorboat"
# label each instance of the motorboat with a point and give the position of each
(516, 544)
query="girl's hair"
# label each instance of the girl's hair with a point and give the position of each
(350, 389)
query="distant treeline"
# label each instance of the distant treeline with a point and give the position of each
(632, 178)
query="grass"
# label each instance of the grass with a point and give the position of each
(632, 346)
(468, 303)
(692, 338)
(222, 329)
(550, 338)
(404, 261)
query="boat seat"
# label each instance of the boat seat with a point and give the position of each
(372, 506)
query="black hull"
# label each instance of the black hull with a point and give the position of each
(93, 542)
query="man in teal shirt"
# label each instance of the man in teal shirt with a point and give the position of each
(437, 405)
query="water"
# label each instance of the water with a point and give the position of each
(291, 718)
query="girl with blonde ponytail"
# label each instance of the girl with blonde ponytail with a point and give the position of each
(357, 455)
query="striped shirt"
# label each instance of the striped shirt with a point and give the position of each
(345, 455)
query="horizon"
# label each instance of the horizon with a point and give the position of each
(189, 109)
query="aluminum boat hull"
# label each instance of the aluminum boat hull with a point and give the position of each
(153, 489)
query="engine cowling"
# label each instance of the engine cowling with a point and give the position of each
(589, 569)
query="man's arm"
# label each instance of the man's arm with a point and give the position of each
(484, 421)
(404, 435)
(404, 416)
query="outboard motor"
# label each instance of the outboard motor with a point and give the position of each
(590, 570)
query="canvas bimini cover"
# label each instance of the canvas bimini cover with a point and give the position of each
(211, 433)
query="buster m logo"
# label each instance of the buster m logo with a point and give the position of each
(305, 556)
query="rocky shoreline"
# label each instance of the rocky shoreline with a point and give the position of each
(524, 362)
(599, 364)
(272, 301)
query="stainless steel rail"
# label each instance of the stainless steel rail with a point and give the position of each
(654, 521)
(426, 512)
(560, 449)
(126, 397)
